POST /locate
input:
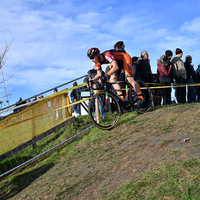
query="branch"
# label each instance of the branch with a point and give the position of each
(3, 55)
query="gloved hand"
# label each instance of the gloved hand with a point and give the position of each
(90, 82)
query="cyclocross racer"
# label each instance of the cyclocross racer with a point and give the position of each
(111, 57)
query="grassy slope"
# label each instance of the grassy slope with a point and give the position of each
(143, 157)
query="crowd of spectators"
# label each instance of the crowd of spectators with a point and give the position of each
(170, 70)
(22, 104)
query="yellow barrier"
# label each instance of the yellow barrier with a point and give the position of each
(35, 119)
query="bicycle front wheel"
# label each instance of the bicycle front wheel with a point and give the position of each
(104, 110)
(147, 95)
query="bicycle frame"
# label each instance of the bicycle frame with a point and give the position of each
(108, 105)
(108, 89)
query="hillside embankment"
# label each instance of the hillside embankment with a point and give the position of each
(148, 156)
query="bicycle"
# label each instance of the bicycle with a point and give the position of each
(105, 106)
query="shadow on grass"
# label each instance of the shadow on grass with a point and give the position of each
(20, 182)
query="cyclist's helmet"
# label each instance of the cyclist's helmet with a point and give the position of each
(92, 52)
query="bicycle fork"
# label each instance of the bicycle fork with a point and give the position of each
(106, 103)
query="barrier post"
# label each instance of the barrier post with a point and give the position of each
(64, 110)
(96, 105)
(68, 103)
(33, 126)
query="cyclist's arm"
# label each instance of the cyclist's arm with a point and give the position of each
(114, 67)
(99, 74)
(99, 71)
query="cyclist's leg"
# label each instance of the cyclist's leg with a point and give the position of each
(114, 78)
(129, 74)
(135, 85)
(147, 95)
(128, 68)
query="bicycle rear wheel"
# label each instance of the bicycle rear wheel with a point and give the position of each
(104, 111)
(147, 95)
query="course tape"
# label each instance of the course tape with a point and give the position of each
(172, 85)
(77, 102)
(159, 86)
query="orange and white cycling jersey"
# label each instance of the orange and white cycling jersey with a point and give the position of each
(113, 54)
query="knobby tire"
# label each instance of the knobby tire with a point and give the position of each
(108, 117)
(147, 95)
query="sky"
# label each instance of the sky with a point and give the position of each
(50, 38)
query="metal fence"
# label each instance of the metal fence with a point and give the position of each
(32, 128)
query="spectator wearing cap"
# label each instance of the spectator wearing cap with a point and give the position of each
(144, 67)
(136, 74)
(169, 54)
(191, 78)
(180, 75)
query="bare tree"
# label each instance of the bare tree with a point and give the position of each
(4, 94)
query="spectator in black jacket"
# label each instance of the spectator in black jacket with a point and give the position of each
(145, 68)
(18, 105)
(191, 77)
(75, 96)
(136, 74)
(198, 81)
(169, 54)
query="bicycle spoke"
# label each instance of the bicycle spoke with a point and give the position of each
(104, 110)
(147, 95)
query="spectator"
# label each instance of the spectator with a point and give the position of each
(18, 104)
(169, 54)
(75, 96)
(34, 98)
(27, 103)
(191, 78)
(136, 74)
(198, 81)
(164, 72)
(198, 73)
(55, 90)
(180, 75)
(119, 46)
(145, 68)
